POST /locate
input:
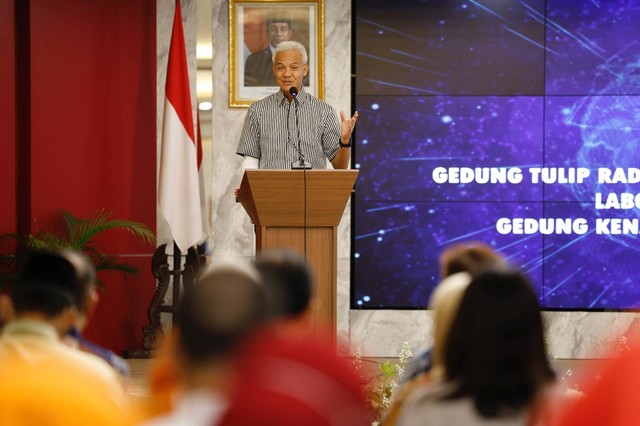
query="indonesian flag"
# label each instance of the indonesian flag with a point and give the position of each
(179, 189)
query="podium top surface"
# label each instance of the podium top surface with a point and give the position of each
(296, 197)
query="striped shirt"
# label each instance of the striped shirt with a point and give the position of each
(273, 128)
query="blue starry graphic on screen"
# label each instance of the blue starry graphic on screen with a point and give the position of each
(462, 104)
(449, 47)
(597, 47)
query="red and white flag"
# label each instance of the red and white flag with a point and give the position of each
(179, 189)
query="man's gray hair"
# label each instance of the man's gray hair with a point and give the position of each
(286, 46)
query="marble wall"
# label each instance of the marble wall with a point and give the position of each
(378, 333)
(570, 335)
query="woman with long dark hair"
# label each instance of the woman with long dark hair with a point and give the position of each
(495, 361)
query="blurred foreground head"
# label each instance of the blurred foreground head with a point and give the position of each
(472, 257)
(225, 305)
(495, 350)
(458, 265)
(215, 315)
(290, 375)
(287, 280)
(50, 281)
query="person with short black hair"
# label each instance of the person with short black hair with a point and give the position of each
(53, 293)
(288, 282)
(50, 282)
(39, 287)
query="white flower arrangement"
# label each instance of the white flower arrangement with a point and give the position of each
(381, 387)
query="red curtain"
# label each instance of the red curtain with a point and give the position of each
(7, 119)
(91, 142)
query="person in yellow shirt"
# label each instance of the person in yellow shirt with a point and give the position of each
(53, 293)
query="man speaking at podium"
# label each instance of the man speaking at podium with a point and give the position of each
(292, 129)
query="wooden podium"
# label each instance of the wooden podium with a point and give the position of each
(300, 210)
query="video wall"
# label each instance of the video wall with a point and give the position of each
(514, 123)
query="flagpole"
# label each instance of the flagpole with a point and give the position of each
(177, 276)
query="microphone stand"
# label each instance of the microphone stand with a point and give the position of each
(301, 164)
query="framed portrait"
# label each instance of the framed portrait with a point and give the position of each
(255, 29)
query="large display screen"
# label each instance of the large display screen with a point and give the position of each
(514, 123)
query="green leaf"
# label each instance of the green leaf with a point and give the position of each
(80, 231)
(46, 241)
(388, 369)
(78, 235)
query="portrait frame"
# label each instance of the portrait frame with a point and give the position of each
(249, 33)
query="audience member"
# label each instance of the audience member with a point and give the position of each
(76, 339)
(224, 306)
(289, 290)
(472, 257)
(53, 292)
(295, 381)
(231, 360)
(54, 394)
(288, 374)
(494, 359)
(458, 264)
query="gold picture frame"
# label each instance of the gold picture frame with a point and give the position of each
(249, 33)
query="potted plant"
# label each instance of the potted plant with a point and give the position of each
(78, 234)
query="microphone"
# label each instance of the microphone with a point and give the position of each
(301, 163)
